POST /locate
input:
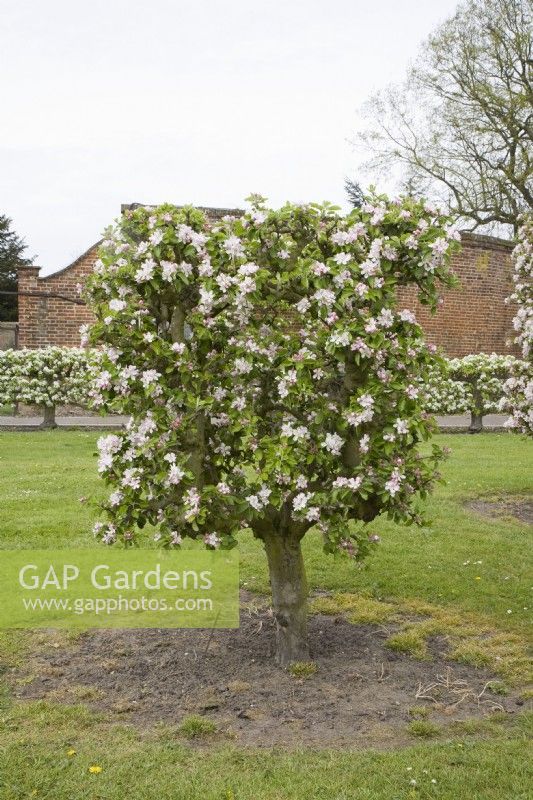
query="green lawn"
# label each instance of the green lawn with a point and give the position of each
(42, 477)
(38, 762)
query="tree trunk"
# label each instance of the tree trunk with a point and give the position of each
(49, 420)
(476, 423)
(289, 596)
(476, 419)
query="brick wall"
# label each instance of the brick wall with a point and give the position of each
(50, 320)
(472, 318)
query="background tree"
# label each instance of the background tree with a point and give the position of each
(354, 192)
(11, 250)
(270, 378)
(460, 128)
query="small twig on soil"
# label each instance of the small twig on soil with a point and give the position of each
(252, 608)
(491, 703)
(382, 631)
(421, 692)
(456, 689)
(212, 632)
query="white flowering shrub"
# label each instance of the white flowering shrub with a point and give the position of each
(271, 379)
(45, 377)
(484, 374)
(440, 394)
(473, 383)
(518, 400)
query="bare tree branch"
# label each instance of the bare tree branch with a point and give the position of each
(460, 128)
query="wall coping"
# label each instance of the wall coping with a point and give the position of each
(28, 267)
(481, 240)
(209, 211)
(73, 263)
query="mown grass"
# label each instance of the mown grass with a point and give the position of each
(462, 577)
(462, 560)
(48, 752)
(472, 638)
(43, 475)
(196, 727)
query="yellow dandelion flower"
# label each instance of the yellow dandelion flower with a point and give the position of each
(478, 577)
(71, 752)
(95, 769)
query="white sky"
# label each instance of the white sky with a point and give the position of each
(201, 101)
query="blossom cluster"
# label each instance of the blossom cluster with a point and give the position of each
(518, 399)
(49, 376)
(271, 379)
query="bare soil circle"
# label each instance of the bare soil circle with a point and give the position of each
(362, 694)
(517, 508)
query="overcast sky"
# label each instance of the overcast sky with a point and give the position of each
(187, 101)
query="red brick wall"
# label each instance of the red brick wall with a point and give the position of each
(49, 320)
(472, 318)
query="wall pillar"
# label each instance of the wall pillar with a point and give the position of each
(28, 280)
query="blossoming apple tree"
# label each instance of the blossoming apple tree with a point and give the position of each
(46, 377)
(473, 383)
(518, 398)
(271, 378)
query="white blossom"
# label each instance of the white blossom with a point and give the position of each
(333, 442)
